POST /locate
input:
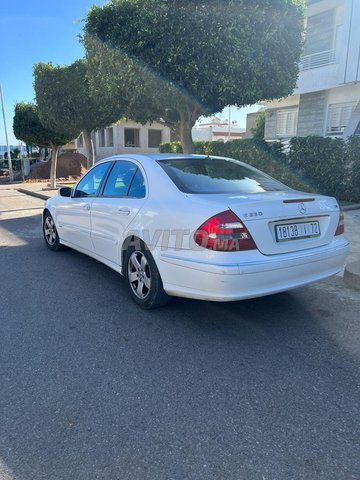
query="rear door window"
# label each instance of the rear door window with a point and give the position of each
(218, 175)
(137, 187)
(120, 179)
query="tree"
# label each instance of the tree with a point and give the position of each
(65, 104)
(28, 128)
(259, 130)
(29, 150)
(179, 59)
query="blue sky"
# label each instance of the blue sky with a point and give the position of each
(42, 31)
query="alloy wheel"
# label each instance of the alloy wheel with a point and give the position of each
(50, 231)
(139, 274)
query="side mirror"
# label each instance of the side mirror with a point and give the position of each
(65, 191)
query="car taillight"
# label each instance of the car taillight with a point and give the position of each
(340, 227)
(224, 232)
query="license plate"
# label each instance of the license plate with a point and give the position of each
(295, 231)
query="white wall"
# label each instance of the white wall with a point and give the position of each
(346, 93)
(203, 134)
(119, 147)
(352, 21)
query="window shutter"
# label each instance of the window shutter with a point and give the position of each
(286, 123)
(339, 115)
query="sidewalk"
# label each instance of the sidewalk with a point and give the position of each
(37, 189)
(352, 233)
(352, 226)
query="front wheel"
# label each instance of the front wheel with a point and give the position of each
(50, 233)
(143, 279)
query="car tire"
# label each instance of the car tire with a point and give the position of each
(143, 278)
(50, 233)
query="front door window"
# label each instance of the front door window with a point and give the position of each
(90, 184)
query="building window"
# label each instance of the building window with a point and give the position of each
(110, 137)
(286, 123)
(320, 32)
(80, 141)
(154, 138)
(339, 115)
(102, 137)
(131, 137)
(320, 38)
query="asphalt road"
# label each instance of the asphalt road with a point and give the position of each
(92, 387)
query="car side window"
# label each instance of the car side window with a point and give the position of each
(89, 185)
(137, 187)
(120, 179)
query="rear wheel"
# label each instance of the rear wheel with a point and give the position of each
(143, 279)
(51, 236)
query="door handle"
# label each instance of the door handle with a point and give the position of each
(84, 205)
(124, 211)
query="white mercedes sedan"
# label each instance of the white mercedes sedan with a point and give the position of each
(196, 226)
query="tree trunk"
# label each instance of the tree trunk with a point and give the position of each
(54, 156)
(93, 143)
(175, 133)
(89, 148)
(187, 121)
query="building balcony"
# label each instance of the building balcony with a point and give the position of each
(317, 60)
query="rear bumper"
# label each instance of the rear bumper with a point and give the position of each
(189, 275)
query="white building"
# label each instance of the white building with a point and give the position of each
(216, 130)
(326, 101)
(127, 137)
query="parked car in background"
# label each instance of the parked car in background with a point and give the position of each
(195, 226)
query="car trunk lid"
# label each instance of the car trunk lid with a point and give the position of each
(283, 222)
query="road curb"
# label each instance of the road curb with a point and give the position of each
(42, 196)
(352, 275)
(347, 208)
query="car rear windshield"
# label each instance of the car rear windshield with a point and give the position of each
(218, 175)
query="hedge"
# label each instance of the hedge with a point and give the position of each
(353, 160)
(330, 166)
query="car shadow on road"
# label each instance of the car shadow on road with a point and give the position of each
(94, 387)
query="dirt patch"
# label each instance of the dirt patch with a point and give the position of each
(70, 166)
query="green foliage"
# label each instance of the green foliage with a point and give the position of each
(353, 163)
(322, 162)
(16, 152)
(178, 60)
(15, 164)
(170, 147)
(12, 155)
(330, 166)
(218, 52)
(28, 128)
(64, 100)
(201, 147)
(259, 130)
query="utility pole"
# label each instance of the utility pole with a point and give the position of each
(11, 173)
